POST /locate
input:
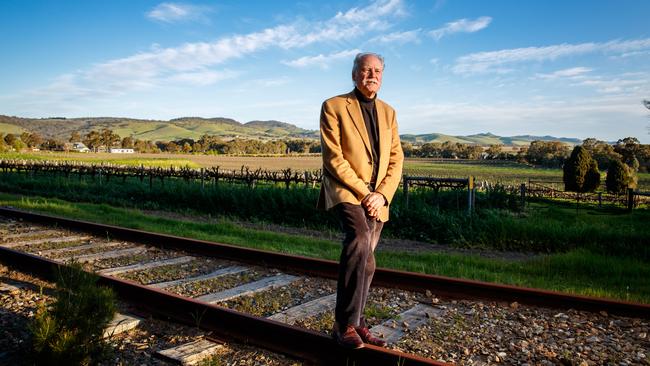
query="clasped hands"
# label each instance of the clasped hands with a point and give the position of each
(372, 203)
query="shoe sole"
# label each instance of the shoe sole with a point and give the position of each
(349, 346)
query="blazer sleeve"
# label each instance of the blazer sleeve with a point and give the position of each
(389, 184)
(333, 160)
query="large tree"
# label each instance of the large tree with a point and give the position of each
(601, 151)
(547, 153)
(581, 172)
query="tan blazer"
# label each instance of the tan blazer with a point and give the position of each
(347, 156)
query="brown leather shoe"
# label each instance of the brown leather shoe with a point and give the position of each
(367, 337)
(348, 339)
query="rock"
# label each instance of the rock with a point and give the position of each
(428, 293)
(514, 305)
(593, 339)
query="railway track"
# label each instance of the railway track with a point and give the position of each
(284, 303)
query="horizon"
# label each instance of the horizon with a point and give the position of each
(541, 69)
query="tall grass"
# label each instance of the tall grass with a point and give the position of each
(577, 271)
(436, 218)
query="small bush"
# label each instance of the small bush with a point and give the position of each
(620, 177)
(70, 331)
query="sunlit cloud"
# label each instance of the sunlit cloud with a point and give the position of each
(566, 73)
(322, 61)
(398, 37)
(503, 60)
(203, 77)
(461, 26)
(179, 12)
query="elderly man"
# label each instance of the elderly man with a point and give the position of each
(362, 167)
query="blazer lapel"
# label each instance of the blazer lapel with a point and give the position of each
(355, 113)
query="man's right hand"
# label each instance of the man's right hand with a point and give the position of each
(373, 203)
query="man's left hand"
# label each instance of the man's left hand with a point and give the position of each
(373, 202)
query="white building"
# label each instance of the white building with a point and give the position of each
(79, 147)
(114, 150)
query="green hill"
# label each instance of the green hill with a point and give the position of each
(154, 130)
(226, 128)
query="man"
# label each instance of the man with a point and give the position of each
(362, 167)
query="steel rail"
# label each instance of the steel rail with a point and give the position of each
(439, 285)
(228, 324)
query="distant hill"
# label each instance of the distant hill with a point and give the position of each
(227, 128)
(155, 130)
(486, 139)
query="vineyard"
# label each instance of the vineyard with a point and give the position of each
(288, 178)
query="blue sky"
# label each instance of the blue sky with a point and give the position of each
(563, 68)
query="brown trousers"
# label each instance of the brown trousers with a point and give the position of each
(357, 263)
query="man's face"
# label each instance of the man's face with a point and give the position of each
(367, 77)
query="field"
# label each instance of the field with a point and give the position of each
(509, 173)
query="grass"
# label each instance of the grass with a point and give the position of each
(151, 160)
(430, 217)
(577, 271)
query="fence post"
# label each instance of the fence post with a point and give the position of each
(522, 192)
(630, 199)
(406, 192)
(600, 199)
(470, 190)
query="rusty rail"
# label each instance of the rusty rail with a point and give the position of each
(440, 285)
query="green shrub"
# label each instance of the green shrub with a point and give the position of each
(70, 331)
(581, 172)
(620, 177)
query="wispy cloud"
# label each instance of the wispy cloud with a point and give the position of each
(203, 77)
(399, 37)
(322, 61)
(189, 63)
(502, 60)
(566, 73)
(637, 85)
(461, 26)
(179, 12)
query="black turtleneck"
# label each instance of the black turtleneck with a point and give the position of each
(369, 112)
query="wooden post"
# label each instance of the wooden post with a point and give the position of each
(600, 199)
(522, 192)
(406, 192)
(470, 191)
(202, 179)
(630, 199)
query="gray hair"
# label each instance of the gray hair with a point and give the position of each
(361, 56)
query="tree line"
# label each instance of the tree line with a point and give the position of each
(551, 154)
